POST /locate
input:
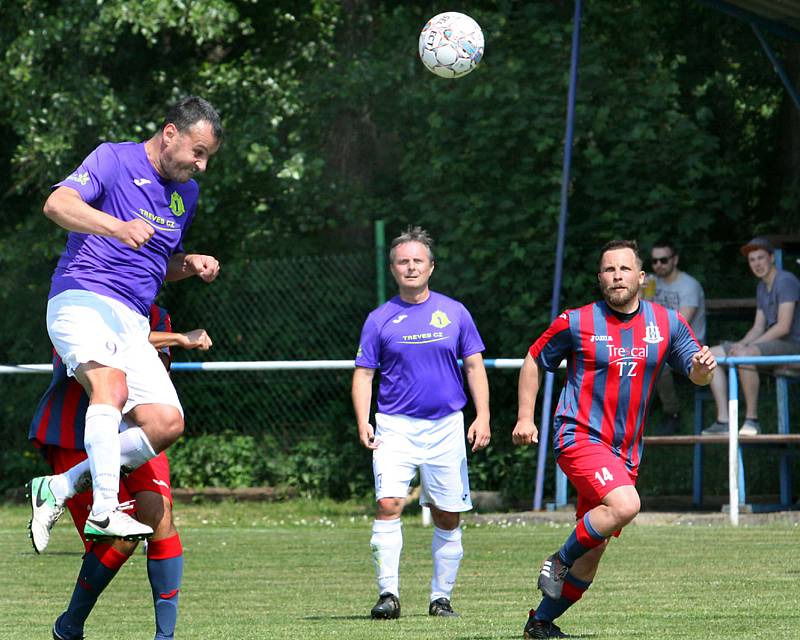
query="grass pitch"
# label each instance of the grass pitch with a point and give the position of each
(304, 570)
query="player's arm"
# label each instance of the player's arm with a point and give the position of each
(195, 339)
(362, 400)
(67, 209)
(479, 432)
(525, 431)
(185, 265)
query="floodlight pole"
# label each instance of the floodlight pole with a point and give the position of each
(544, 423)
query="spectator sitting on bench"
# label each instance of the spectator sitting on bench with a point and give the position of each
(675, 289)
(775, 332)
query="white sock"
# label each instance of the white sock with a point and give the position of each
(387, 543)
(78, 479)
(101, 439)
(60, 485)
(134, 450)
(447, 552)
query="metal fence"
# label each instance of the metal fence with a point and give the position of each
(271, 309)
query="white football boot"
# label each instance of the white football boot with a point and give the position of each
(46, 509)
(115, 524)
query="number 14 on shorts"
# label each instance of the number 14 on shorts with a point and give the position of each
(603, 476)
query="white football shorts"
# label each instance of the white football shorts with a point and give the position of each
(435, 447)
(89, 327)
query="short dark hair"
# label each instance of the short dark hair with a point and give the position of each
(187, 112)
(412, 234)
(666, 244)
(613, 245)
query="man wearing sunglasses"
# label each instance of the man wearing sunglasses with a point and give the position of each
(675, 289)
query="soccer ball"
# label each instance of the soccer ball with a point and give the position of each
(451, 44)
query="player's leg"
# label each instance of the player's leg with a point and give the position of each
(447, 552)
(107, 393)
(150, 485)
(445, 489)
(101, 562)
(540, 622)
(394, 465)
(154, 408)
(607, 488)
(100, 565)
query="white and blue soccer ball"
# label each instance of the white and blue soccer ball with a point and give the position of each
(451, 44)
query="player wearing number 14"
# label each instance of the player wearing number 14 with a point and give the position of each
(615, 350)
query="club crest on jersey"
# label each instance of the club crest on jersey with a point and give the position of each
(652, 335)
(439, 319)
(176, 204)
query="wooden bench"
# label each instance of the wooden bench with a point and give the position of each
(783, 440)
(730, 304)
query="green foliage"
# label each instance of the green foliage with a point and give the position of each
(315, 468)
(17, 468)
(321, 469)
(225, 460)
(511, 472)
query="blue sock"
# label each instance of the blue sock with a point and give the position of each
(549, 609)
(100, 564)
(583, 538)
(165, 570)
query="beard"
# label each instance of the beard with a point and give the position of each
(619, 297)
(179, 174)
(176, 171)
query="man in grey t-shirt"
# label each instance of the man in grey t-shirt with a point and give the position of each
(675, 289)
(775, 332)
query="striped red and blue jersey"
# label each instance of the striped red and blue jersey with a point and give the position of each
(612, 368)
(59, 418)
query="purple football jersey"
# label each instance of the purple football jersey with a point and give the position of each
(119, 180)
(416, 347)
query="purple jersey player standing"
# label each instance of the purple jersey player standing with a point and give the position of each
(127, 208)
(415, 340)
(615, 350)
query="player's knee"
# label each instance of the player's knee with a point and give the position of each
(114, 394)
(173, 427)
(389, 508)
(627, 509)
(445, 519)
(165, 428)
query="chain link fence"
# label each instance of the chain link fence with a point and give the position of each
(307, 308)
